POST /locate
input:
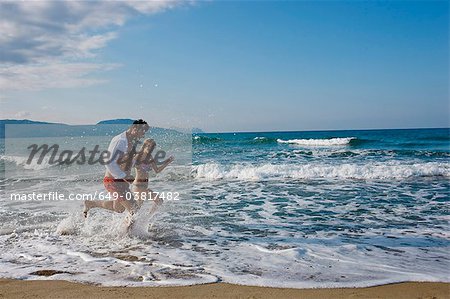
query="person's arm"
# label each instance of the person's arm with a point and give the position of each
(164, 165)
(117, 151)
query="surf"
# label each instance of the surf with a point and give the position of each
(372, 170)
(319, 142)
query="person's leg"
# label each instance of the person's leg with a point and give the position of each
(143, 193)
(115, 188)
(119, 205)
(138, 198)
(157, 201)
(124, 205)
(112, 205)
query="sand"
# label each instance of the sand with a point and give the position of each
(64, 289)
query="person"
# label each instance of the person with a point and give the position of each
(117, 178)
(143, 164)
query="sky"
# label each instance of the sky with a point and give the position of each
(227, 66)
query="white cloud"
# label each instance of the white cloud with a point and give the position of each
(50, 75)
(22, 114)
(46, 44)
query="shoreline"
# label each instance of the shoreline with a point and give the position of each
(12, 288)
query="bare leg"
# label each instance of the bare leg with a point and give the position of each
(143, 194)
(157, 201)
(125, 205)
(103, 204)
(112, 205)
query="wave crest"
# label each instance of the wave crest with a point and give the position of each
(263, 140)
(22, 162)
(374, 170)
(204, 139)
(319, 142)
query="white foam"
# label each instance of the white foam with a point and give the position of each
(22, 161)
(370, 170)
(319, 142)
(71, 225)
(210, 237)
(93, 255)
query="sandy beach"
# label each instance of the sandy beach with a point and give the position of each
(224, 149)
(64, 289)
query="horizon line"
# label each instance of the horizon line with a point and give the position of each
(249, 132)
(328, 130)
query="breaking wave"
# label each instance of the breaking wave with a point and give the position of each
(22, 162)
(319, 142)
(373, 170)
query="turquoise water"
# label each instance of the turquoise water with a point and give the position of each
(376, 144)
(291, 209)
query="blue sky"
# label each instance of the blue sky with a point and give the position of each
(229, 66)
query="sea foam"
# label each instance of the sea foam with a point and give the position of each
(372, 170)
(319, 142)
(22, 162)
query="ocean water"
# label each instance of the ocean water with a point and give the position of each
(282, 209)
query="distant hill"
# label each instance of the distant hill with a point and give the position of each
(22, 121)
(122, 121)
(46, 129)
(4, 122)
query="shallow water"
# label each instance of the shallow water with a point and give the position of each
(289, 209)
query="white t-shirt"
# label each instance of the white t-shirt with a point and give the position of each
(118, 147)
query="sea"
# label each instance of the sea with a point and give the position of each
(310, 209)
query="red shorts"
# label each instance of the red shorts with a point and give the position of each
(118, 188)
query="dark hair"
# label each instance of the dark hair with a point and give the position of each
(140, 122)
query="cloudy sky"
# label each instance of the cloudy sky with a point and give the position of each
(227, 66)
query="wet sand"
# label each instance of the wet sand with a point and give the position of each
(63, 289)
